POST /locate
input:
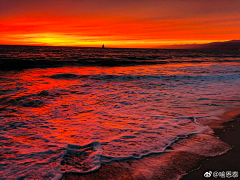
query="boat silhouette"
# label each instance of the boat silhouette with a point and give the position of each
(103, 46)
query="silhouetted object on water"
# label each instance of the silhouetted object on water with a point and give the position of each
(103, 46)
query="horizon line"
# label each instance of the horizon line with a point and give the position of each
(174, 46)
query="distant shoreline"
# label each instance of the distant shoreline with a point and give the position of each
(226, 45)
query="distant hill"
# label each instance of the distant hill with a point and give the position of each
(226, 45)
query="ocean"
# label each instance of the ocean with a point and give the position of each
(72, 109)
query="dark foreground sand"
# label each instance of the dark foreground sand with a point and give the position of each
(174, 164)
(226, 162)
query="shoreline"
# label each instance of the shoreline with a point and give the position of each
(183, 164)
(225, 162)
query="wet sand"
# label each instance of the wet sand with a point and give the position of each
(178, 159)
(150, 167)
(226, 162)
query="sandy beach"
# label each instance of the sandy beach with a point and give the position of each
(175, 163)
(225, 162)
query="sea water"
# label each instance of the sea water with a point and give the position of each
(66, 109)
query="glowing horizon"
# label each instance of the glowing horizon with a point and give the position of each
(148, 24)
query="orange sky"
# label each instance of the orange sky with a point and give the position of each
(118, 23)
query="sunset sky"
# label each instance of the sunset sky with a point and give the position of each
(118, 23)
